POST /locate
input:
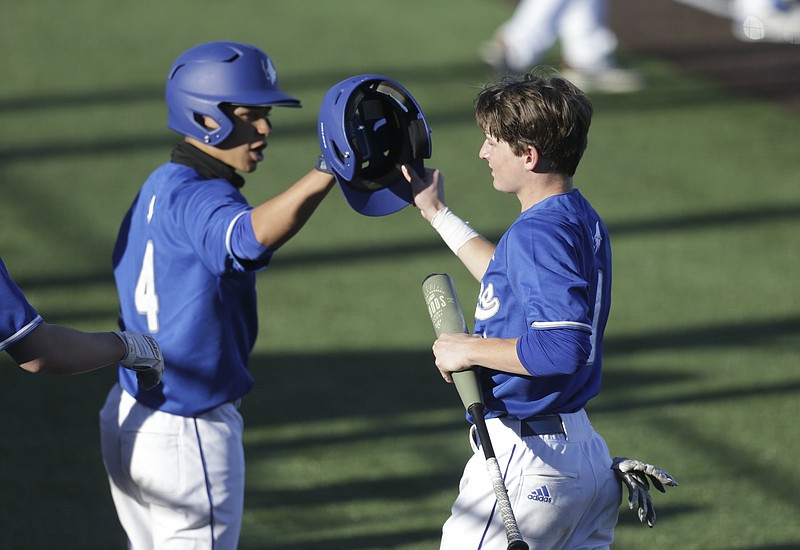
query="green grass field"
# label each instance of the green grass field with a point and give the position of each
(353, 441)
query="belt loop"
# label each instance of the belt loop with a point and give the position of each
(473, 438)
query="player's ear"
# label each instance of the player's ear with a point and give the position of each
(534, 161)
(531, 158)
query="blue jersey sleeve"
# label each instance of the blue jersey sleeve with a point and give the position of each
(547, 287)
(243, 245)
(17, 317)
(216, 218)
(554, 352)
(546, 276)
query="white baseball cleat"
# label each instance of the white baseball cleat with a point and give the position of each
(610, 80)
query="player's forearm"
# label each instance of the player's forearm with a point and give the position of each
(476, 254)
(280, 218)
(498, 354)
(474, 251)
(457, 352)
(56, 349)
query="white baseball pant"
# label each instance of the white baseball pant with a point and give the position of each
(561, 487)
(579, 25)
(177, 482)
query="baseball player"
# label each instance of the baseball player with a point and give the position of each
(40, 347)
(587, 44)
(185, 263)
(545, 294)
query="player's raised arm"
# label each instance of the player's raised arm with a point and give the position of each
(472, 249)
(280, 218)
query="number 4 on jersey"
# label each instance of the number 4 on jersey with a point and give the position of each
(145, 297)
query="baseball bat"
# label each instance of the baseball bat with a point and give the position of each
(447, 318)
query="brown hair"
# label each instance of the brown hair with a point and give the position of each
(549, 113)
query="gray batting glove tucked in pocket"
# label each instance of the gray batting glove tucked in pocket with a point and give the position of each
(634, 474)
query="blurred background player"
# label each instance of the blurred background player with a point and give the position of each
(40, 347)
(185, 263)
(766, 20)
(580, 28)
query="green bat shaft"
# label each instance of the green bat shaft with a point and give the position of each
(447, 318)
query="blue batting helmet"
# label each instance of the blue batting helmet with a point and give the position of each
(369, 125)
(208, 75)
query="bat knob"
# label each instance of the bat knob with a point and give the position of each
(517, 545)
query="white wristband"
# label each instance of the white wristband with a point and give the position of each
(454, 231)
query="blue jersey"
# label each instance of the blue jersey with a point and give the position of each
(17, 316)
(180, 278)
(549, 285)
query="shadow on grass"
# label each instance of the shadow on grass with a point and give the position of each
(664, 512)
(669, 93)
(380, 386)
(383, 384)
(287, 260)
(663, 93)
(307, 389)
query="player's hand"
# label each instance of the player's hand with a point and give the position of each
(450, 352)
(322, 165)
(143, 355)
(634, 474)
(428, 192)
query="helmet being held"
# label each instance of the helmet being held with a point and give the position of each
(370, 125)
(208, 75)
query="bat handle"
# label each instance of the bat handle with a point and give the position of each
(469, 391)
(515, 542)
(476, 410)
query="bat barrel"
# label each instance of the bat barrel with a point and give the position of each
(443, 305)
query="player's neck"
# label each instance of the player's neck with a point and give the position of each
(545, 186)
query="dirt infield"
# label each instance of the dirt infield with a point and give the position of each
(703, 44)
